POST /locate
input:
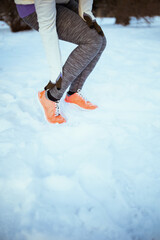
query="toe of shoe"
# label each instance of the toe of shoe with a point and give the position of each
(59, 119)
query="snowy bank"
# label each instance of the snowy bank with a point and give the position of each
(97, 177)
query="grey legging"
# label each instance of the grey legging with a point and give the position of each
(82, 60)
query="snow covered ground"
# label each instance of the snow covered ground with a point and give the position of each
(97, 177)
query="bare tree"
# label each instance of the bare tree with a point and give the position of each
(123, 10)
(8, 14)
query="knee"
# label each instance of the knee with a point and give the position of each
(99, 42)
(96, 42)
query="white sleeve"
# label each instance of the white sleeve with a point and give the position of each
(46, 13)
(85, 6)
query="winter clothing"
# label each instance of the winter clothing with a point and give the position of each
(46, 12)
(82, 60)
(67, 22)
(93, 24)
(25, 10)
(25, 2)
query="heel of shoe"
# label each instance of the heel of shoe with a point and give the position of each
(40, 94)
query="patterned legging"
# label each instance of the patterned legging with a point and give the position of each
(82, 60)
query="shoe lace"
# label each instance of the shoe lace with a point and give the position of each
(57, 108)
(81, 95)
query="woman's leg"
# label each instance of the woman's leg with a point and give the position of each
(72, 28)
(31, 20)
(80, 80)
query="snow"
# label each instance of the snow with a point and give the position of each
(96, 177)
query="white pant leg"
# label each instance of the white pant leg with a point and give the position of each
(46, 13)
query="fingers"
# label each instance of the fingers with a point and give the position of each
(98, 28)
(51, 85)
(93, 24)
(88, 20)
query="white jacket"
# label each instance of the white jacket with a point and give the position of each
(46, 13)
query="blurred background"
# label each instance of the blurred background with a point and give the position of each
(122, 10)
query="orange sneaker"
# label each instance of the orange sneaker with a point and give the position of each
(79, 100)
(51, 109)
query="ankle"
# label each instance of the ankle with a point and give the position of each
(50, 97)
(70, 93)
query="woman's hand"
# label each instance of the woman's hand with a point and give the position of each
(92, 23)
(85, 12)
